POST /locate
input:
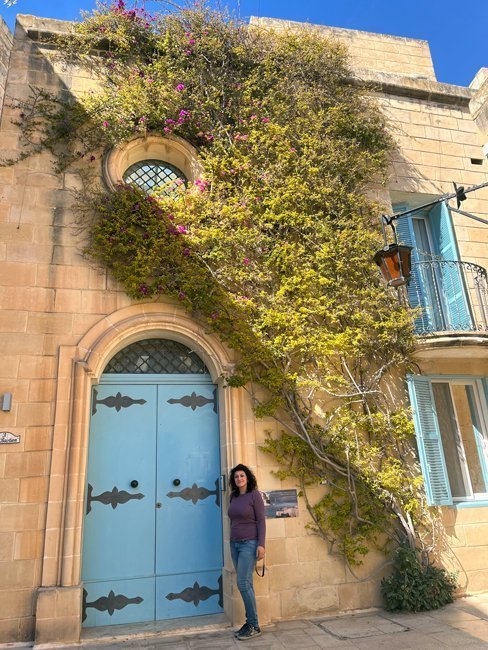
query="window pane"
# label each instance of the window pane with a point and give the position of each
(156, 356)
(151, 175)
(465, 405)
(453, 452)
(422, 238)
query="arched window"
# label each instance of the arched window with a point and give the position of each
(152, 161)
(156, 356)
(151, 175)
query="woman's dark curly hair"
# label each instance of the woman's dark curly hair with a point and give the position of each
(252, 484)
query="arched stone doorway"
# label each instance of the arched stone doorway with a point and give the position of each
(59, 598)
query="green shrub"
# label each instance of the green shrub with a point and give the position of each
(414, 587)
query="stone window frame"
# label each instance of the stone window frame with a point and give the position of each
(170, 149)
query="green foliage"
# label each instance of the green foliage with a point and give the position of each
(414, 587)
(352, 519)
(272, 247)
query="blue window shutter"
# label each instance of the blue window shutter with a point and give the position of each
(457, 311)
(484, 381)
(431, 453)
(415, 288)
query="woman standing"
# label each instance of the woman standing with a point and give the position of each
(247, 539)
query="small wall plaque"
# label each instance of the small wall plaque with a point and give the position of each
(280, 503)
(7, 438)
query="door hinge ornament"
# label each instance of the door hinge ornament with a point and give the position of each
(196, 594)
(195, 493)
(195, 401)
(109, 603)
(117, 401)
(114, 498)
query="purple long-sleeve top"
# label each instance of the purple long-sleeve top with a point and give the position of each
(247, 521)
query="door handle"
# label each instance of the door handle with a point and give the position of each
(176, 481)
(134, 484)
(158, 504)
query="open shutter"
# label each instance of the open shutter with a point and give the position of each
(484, 381)
(429, 441)
(457, 311)
(415, 288)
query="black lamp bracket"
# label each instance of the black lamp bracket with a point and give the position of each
(459, 194)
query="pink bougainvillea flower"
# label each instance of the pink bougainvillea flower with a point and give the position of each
(105, 123)
(92, 158)
(246, 261)
(150, 81)
(182, 295)
(182, 230)
(180, 87)
(265, 119)
(253, 117)
(201, 185)
(171, 217)
(167, 129)
(188, 52)
(186, 252)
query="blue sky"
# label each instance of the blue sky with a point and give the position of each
(458, 40)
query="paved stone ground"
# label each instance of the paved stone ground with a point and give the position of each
(464, 624)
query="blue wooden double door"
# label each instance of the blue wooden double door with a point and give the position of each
(152, 544)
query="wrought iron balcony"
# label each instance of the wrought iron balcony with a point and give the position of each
(450, 296)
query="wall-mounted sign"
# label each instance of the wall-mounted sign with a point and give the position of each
(279, 504)
(7, 438)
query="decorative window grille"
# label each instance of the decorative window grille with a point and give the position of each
(156, 356)
(151, 175)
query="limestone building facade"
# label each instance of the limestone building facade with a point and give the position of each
(62, 323)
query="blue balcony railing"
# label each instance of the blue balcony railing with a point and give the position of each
(449, 296)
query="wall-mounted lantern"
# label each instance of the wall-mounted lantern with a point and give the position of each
(395, 264)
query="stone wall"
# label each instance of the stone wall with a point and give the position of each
(479, 104)
(369, 51)
(438, 144)
(56, 310)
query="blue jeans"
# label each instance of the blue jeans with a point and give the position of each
(244, 559)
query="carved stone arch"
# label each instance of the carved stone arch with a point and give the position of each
(155, 320)
(79, 367)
